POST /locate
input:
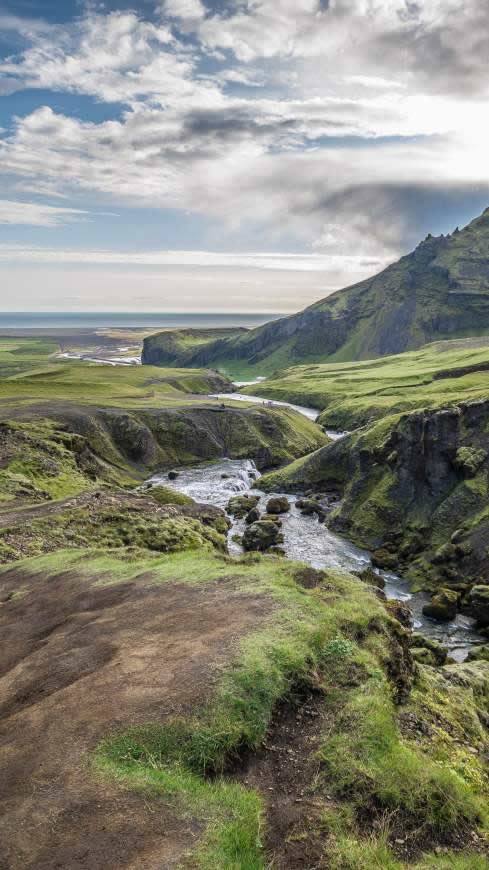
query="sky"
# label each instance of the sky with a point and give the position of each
(239, 156)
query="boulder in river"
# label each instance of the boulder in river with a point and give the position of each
(309, 506)
(252, 517)
(261, 536)
(443, 606)
(278, 505)
(240, 505)
(172, 475)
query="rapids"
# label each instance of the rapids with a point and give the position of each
(309, 541)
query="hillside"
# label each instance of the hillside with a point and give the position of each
(354, 394)
(437, 292)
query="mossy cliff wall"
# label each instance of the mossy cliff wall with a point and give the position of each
(415, 486)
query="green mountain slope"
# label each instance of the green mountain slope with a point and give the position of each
(439, 291)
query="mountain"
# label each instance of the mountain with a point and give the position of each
(438, 291)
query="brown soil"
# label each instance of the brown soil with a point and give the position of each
(285, 771)
(79, 662)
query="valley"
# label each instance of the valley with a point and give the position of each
(190, 674)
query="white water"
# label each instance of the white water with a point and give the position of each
(307, 540)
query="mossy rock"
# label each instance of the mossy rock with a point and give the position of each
(383, 559)
(167, 495)
(369, 576)
(273, 518)
(421, 643)
(240, 505)
(278, 505)
(469, 460)
(479, 604)
(424, 656)
(261, 536)
(478, 653)
(443, 606)
(252, 517)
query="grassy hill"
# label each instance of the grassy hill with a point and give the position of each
(354, 394)
(439, 291)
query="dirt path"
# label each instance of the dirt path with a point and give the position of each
(80, 661)
(284, 771)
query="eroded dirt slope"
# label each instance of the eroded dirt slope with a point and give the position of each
(80, 661)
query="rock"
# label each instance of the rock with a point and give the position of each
(225, 475)
(383, 559)
(252, 517)
(479, 604)
(400, 611)
(278, 505)
(443, 605)
(369, 576)
(240, 505)
(273, 518)
(308, 507)
(469, 459)
(424, 656)
(261, 536)
(172, 475)
(478, 653)
(438, 652)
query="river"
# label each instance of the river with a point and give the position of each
(307, 540)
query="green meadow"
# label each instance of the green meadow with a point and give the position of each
(355, 393)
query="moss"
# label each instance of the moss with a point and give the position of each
(167, 495)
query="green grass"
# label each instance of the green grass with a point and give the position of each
(352, 394)
(338, 639)
(368, 762)
(108, 386)
(22, 354)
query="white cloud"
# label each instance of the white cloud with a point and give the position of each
(186, 9)
(190, 259)
(36, 214)
(264, 141)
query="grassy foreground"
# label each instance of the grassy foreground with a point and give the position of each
(385, 792)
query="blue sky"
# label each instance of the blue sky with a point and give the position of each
(252, 155)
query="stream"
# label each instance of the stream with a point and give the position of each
(307, 540)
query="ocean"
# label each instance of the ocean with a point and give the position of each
(94, 320)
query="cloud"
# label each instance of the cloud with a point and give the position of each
(441, 44)
(35, 214)
(116, 57)
(321, 122)
(185, 9)
(312, 262)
